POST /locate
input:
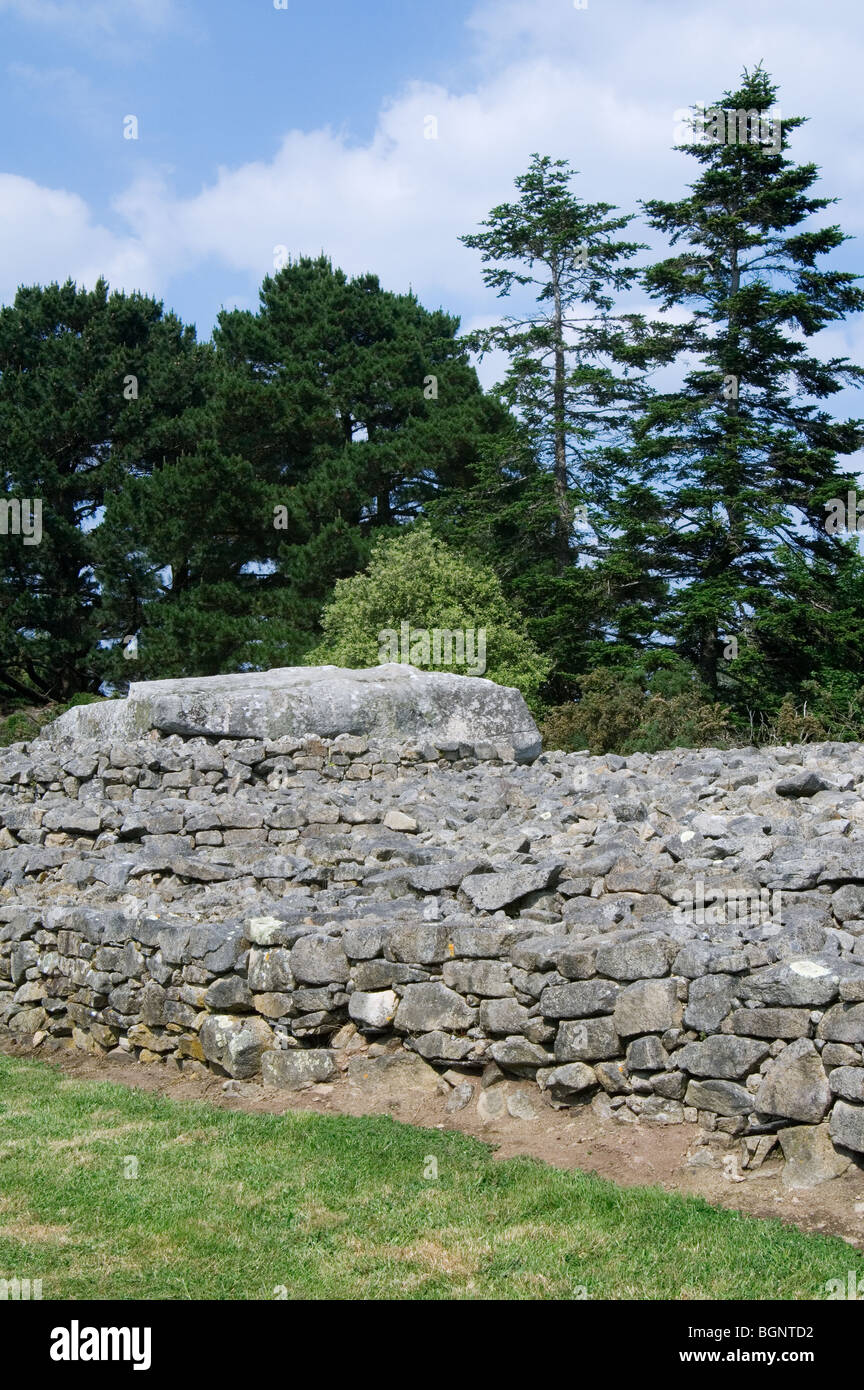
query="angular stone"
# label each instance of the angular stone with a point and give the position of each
(297, 1067)
(425, 1008)
(442, 1047)
(586, 1040)
(565, 1083)
(719, 1097)
(810, 1156)
(846, 1126)
(489, 892)
(269, 971)
(847, 1083)
(613, 1078)
(519, 1055)
(431, 878)
(425, 943)
(380, 703)
(795, 1085)
(397, 820)
(805, 783)
(794, 983)
(644, 958)
(843, 1024)
(319, 960)
(725, 1056)
(236, 1044)
(649, 1006)
(375, 1010)
(487, 978)
(709, 1001)
(505, 1016)
(580, 999)
(396, 1073)
(647, 1054)
(229, 995)
(771, 1023)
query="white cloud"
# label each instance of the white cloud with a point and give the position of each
(598, 87)
(48, 234)
(94, 16)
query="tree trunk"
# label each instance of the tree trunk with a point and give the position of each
(563, 520)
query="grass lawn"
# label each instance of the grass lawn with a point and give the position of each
(113, 1193)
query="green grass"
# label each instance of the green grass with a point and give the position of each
(232, 1206)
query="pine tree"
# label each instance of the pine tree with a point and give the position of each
(355, 407)
(733, 469)
(94, 386)
(576, 367)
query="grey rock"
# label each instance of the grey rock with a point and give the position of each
(297, 1067)
(810, 1156)
(375, 1011)
(319, 960)
(795, 1085)
(649, 1006)
(724, 1056)
(519, 1055)
(771, 1023)
(380, 702)
(847, 1083)
(580, 999)
(488, 978)
(709, 1001)
(846, 1126)
(643, 958)
(395, 1073)
(569, 1081)
(427, 1007)
(843, 1024)
(805, 783)
(586, 1040)
(489, 892)
(647, 1054)
(229, 994)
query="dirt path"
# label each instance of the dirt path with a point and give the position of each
(629, 1154)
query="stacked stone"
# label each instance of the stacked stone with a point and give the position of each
(276, 907)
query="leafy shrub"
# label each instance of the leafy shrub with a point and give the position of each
(23, 725)
(413, 577)
(633, 711)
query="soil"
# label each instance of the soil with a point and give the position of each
(634, 1154)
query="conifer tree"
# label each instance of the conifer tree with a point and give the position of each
(732, 470)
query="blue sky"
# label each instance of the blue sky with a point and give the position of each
(305, 127)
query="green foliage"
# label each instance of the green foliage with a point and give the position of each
(71, 431)
(661, 554)
(635, 710)
(412, 577)
(24, 724)
(725, 487)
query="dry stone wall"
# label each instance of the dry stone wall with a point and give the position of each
(667, 938)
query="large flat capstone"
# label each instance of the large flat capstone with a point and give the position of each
(392, 702)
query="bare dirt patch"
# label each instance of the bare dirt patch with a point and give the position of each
(634, 1154)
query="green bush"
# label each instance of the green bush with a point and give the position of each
(414, 578)
(23, 725)
(637, 711)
